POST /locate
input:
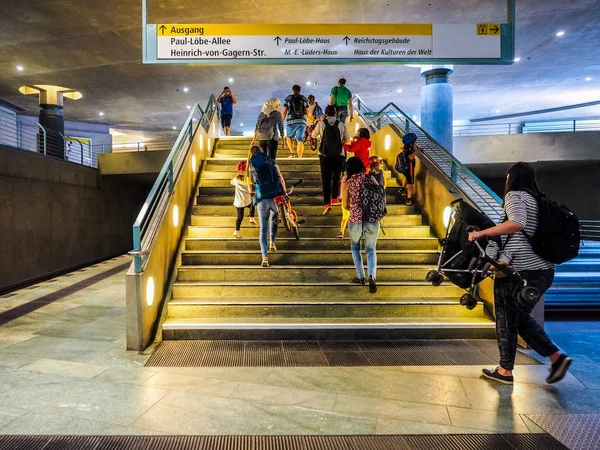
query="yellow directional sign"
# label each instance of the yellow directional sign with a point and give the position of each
(488, 29)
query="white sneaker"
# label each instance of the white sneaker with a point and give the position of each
(265, 262)
(252, 221)
(272, 247)
(237, 235)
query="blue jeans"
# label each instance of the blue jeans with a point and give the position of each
(267, 210)
(371, 231)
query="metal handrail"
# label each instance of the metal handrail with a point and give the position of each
(546, 126)
(155, 206)
(590, 230)
(457, 173)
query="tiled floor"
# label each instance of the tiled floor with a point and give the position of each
(64, 370)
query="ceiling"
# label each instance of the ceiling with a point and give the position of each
(95, 47)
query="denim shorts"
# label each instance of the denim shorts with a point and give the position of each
(296, 131)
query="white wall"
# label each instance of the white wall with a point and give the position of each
(578, 146)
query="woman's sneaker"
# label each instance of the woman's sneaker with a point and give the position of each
(360, 281)
(496, 376)
(326, 209)
(340, 235)
(252, 221)
(409, 202)
(559, 369)
(372, 285)
(272, 247)
(237, 235)
(265, 262)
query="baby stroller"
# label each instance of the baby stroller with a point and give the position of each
(465, 263)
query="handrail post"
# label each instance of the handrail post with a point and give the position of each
(137, 245)
(170, 176)
(138, 146)
(574, 125)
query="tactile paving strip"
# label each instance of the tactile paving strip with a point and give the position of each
(275, 353)
(576, 431)
(410, 442)
(572, 326)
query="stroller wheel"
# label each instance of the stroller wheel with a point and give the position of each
(432, 275)
(469, 301)
(529, 296)
(438, 281)
(485, 271)
(473, 264)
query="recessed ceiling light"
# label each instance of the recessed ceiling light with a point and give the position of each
(20, 68)
(588, 78)
(399, 90)
(497, 111)
(188, 107)
(241, 124)
(560, 33)
(185, 89)
(517, 59)
(308, 83)
(100, 113)
(174, 128)
(231, 80)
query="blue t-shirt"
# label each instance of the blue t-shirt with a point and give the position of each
(227, 105)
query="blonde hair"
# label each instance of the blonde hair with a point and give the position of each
(273, 104)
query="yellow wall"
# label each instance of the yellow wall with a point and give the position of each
(141, 317)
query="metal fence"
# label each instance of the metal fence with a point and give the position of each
(551, 126)
(23, 134)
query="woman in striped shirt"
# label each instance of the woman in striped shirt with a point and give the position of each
(269, 126)
(513, 317)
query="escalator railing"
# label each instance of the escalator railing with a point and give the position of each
(456, 173)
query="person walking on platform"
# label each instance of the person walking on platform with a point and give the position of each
(269, 127)
(341, 98)
(268, 183)
(513, 314)
(352, 185)
(226, 99)
(242, 199)
(360, 145)
(405, 166)
(333, 134)
(295, 110)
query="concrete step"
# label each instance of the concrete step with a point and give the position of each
(308, 232)
(257, 308)
(283, 290)
(578, 278)
(304, 161)
(306, 182)
(323, 244)
(304, 257)
(300, 274)
(299, 191)
(330, 328)
(311, 221)
(302, 210)
(291, 175)
(295, 199)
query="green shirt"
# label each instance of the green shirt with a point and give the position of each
(341, 95)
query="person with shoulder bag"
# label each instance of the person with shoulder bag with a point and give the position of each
(405, 166)
(269, 127)
(333, 135)
(521, 222)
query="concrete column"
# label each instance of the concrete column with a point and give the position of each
(436, 104)
(51, 118)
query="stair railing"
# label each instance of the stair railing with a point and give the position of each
(457, 174)
(590, 230)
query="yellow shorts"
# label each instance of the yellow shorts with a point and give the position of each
(345, 214)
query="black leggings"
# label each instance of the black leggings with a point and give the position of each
(331, 172)
(269, 147)
(240, 215)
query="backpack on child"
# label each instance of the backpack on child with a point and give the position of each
(402, 163)
(317, 112)
(372, 197)
(266, 177)
(557, 237)
(297, 107)
(266, 127)
(331, 141)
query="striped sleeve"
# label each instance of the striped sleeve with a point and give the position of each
(516, 210)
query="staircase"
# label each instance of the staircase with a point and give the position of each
(221, 292)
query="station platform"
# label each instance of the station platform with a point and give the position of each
(65, 371)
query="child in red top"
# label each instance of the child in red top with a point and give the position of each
(360, 145)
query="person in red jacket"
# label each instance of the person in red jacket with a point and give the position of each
(360, 145)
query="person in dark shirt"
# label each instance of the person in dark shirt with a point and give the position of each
(226, 99)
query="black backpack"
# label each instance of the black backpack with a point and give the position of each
(557, 237)
(297, 108)
(331, 141)
(372, 197)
